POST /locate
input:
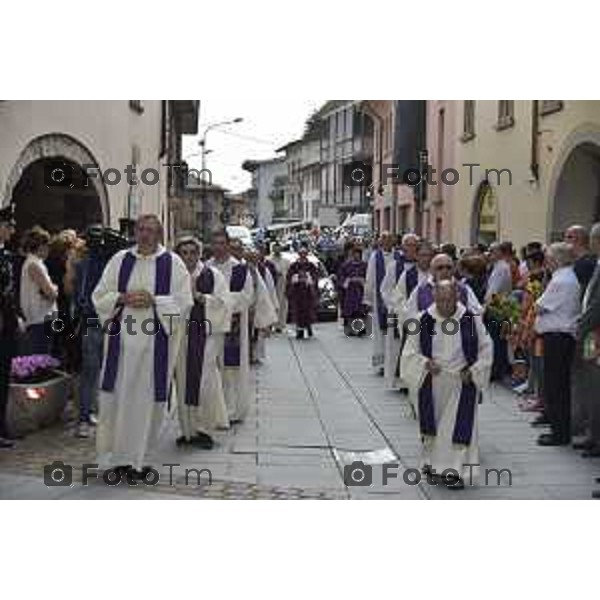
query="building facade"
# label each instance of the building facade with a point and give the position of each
(303, 184)
(346, 136)
(91, 143)
(269, 180)
(524, 169)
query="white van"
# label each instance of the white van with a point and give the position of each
(239, 232)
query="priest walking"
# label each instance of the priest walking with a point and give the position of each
(234, 356)
(145, 295)
(351, 282)
(200, 399)
(379, 261)
(302, 292)
(446, 366)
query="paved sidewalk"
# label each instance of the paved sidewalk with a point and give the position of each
(318, 407)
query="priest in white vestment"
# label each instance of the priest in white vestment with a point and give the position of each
(234, 353)
(393, 340)
(266, 303)
(379, 261)
(282, 264)
(145, 294)
(201, 404)
(421, 297)
(446, 372)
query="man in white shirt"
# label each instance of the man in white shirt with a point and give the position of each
(558, 311)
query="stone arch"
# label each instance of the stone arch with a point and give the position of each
(585, 138)
(57, 145)
(485, 195)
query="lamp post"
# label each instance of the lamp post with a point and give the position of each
(204, 152)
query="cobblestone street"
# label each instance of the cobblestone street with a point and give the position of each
(318, 407)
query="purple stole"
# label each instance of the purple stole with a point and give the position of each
(425, 295)
(379, 275)
(197, 335)
(465, 415)
(272, 268)
(411, 280)
(162, 287)
(232, 349)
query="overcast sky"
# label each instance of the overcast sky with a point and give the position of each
(267, 125)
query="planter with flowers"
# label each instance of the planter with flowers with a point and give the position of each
(38, 393)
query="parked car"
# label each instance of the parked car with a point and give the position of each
(328, 304)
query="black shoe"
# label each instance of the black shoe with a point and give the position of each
(549, 439)
(202, 440)
(593, 452)
(4, 443)
(403, 391)
(540, 421)
(586, 445)
(596, 494)
(183, 441)
(235, 422)
(12, 437)
(310, 331)
(299, 334)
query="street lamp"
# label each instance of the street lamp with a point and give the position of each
(204, 152)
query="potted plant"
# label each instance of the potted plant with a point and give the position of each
(38, 393)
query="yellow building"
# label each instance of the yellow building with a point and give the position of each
(524, 169)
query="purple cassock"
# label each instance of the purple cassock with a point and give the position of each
(198, 332)
(232, 348)
(352, 302)
(303, 296)
(161, 340)
(465, 415)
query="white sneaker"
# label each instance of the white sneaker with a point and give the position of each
(521, 389)
(83, 430)
(93, 421)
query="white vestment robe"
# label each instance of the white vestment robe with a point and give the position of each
(282, 265)
(439, 451)
(370, 299)
(129, 416)
(237, 386)
(211, 411)
(392, 342)
(265, 310)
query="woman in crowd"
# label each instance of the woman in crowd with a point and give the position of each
(525, 341)
(473, 270)
(61, 253)
(38, 294)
